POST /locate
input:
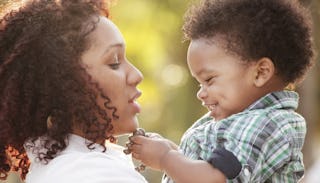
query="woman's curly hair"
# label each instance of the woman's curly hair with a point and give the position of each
(253, 29)
(44, 90)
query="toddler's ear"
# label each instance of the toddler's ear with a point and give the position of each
(264, 71)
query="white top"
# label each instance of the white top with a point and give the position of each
(312, 175)
(78, 164)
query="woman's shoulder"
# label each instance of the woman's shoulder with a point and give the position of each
(81, 165)
(89, 163)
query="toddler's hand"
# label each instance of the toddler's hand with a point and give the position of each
(151, 150)
(138, 131)
(141, 132)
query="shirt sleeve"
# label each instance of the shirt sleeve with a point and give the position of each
(267, 159)
(280, 161)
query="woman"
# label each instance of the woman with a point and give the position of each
(66, 88)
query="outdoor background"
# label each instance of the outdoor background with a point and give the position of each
(152, 30)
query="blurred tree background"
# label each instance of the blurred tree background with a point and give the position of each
(152, 30)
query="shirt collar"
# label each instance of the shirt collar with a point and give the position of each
(277, 100)
(76, 142)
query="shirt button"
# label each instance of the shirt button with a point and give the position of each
(246, 172)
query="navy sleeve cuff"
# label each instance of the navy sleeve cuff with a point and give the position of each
(226, 162)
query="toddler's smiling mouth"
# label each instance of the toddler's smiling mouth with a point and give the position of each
(210, 107)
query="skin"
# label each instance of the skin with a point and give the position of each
(226, 82)
(228, 85)
(160, 154)
(107, 64)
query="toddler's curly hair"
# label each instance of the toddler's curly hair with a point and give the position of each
(253, 29)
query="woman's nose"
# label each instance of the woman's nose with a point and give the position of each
(202, 93)
(134, 76)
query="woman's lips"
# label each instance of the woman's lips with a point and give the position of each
(134, 103)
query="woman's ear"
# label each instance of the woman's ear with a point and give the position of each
(264, 71)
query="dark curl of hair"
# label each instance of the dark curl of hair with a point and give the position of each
(44, 89)
(253, 29)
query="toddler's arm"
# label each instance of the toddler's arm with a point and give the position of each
(162, 154)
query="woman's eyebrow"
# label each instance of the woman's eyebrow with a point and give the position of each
(121, 45)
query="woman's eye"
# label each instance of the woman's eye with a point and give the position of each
(116, 63)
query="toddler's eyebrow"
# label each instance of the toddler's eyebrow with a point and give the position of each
(203, 71)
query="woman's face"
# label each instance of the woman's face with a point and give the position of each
(107, 64)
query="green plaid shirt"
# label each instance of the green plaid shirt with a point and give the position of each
(267, 139)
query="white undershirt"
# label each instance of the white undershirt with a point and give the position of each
(78, 164)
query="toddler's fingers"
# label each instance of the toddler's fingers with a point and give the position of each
(153, 135)
(136, 148)
(136, 155)
(139, 131)
(130, 136)
(129, 146)
(138, 139)
(128, 143)
(126, 151)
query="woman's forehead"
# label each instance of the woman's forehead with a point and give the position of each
(106, 34)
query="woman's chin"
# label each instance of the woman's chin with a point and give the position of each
(126, 131)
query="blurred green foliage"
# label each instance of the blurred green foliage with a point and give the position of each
(152, 30)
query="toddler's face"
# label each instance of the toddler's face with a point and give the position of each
(225, 80)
